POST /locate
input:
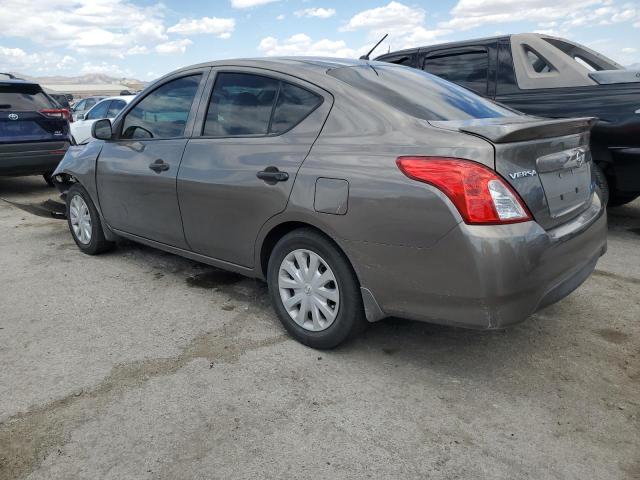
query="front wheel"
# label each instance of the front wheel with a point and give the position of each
(84, 222)
(314, 290)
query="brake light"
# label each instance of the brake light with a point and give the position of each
(479, 193)
(57, 113)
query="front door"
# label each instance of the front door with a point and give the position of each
(137, 170)
(238, 169)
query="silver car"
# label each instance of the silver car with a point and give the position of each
(358, 190)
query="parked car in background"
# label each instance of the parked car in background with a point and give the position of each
(551, 77)
(356, 189)
(61, 100)
(107, 108)
(34, 129)
(80, 108)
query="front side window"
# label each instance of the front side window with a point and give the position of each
(99, 111)
(467, 69)
(163, 113)
(247, 104)
(90, 102)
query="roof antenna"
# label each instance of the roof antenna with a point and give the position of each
(366, 57)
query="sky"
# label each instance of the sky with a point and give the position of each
(144, 39)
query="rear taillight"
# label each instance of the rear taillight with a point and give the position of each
(480, 194)
(57, 113)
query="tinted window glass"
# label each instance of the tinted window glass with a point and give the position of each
(398, 59)
(466, 69)
(163, 113)
(99, 111)
(294, 104)
(115, 107)
(90, 102)
(29, 97)
(538, 63)
(241, 104)
(419, 94)
(80, 105)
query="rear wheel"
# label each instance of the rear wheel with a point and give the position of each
(84, 222)
(314, 290)
(617, 199)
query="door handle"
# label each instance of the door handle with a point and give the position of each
(159, 166)
(272, 175)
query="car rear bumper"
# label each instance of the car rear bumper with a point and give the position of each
(482, 276)
(31, 158)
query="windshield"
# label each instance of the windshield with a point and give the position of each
(23, 97)
(418, 93)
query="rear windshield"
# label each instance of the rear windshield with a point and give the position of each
(418, 93)
(23, 97)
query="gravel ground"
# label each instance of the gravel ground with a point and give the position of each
(138, 364)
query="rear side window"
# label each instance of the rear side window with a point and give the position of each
(417, 93)
(163, 113)
(467, 69)
(294, 104)
(241, 104)
(247, 104)
(24, 98)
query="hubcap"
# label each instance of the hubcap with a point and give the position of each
(309, 290)
(80, 219)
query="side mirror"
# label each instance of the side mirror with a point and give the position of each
(101, 129)
(80, 116)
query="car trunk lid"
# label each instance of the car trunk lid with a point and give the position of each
(548, 162)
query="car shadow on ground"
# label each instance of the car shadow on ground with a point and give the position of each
(399, 340)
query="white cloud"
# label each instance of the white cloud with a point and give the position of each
(629, 50)
(302, 44)
(250, 3)
(176, 46)
(221, 27)
(280, 17)
(405, 25)
(392, 18)
(316, 12)
(17, 60)
(468, 14)
(100, 27)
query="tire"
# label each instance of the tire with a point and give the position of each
(48, 178)
(602, 182)
(616, 199)
(95, 243)
(316, 329)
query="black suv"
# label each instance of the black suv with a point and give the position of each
(34, 129)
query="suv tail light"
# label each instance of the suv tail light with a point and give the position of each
(479, 193)
(57, 113)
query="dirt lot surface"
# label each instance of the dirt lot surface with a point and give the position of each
(138, 364)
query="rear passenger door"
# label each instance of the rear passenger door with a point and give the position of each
(252, 133)
(467, 66)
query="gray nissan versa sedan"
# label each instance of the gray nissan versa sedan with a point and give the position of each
(358, 190)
